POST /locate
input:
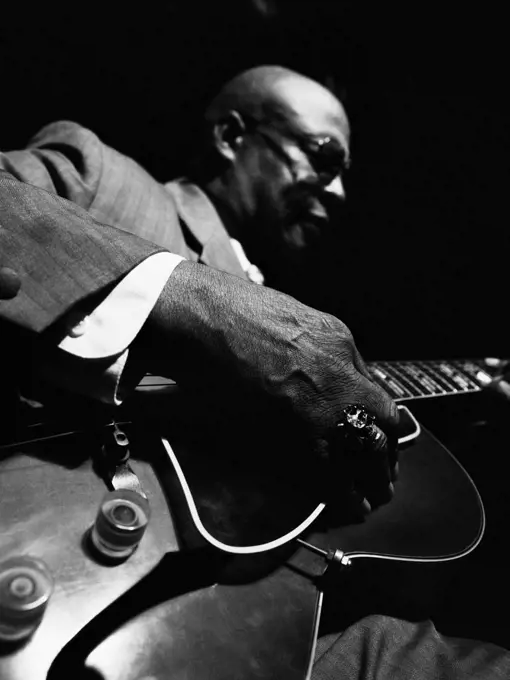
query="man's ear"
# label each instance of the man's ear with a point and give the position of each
(229, 134)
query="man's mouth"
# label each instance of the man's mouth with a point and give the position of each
(319, 220)
(308, 223)
(315, 220)
(315, 211)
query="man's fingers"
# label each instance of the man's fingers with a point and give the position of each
(373, 463)
(360, 364)
(379, 404)
(373, 471)
(395, 472)
(374, 480)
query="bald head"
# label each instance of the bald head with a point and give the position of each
(275, 94)
(275, 148)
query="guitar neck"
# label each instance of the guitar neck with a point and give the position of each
(405, 380)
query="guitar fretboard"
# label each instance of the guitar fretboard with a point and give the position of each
(419, 379)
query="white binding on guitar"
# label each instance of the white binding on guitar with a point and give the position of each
(404, 381)
(270, 545)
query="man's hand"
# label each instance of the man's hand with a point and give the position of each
(296, 359)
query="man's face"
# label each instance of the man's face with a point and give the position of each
(288, 176)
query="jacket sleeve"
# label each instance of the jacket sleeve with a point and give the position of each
(57, 255)
(63, 158)
(71, 161)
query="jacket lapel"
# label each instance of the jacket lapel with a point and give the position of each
(199, 215)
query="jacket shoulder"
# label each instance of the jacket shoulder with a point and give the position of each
(64, 131)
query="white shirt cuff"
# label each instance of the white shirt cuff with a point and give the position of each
(114, 324)
(108, 331)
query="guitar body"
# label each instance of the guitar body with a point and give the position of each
(246, 498)
(436, 512)
(176, 609)
(165, 612)
(247, 491)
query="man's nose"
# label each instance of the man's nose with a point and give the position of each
(336, 187)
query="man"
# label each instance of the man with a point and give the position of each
(269, 165)
(261, 182)
(99, 306)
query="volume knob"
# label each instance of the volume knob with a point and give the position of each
(120, 524)
(26, 586)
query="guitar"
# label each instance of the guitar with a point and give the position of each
(215, 480)
(261, 619)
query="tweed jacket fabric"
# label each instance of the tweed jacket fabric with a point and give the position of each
(71, 161)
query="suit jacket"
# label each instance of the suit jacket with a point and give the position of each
(69, 160)
(55, 254)
(53, 257)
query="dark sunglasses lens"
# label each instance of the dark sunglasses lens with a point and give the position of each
(327, 172)
(328, 166)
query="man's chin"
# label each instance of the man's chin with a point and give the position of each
(287, 256)
(303, 237)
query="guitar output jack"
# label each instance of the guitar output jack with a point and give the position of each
(337, 557)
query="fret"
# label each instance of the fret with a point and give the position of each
(447, 385)
(430, 387)
(382, 377)
(475, 372)
(414, 387)
(417, 379)
(455, 375)
(472, 384)
(446, 373)
(433, 386)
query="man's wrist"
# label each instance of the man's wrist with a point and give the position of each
(189, 323)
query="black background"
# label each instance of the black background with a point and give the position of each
(418, 264)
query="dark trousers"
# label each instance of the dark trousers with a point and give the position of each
(385, 648)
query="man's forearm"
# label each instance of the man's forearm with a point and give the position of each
(192, 322)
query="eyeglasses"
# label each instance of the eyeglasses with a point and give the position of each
(325, 156)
